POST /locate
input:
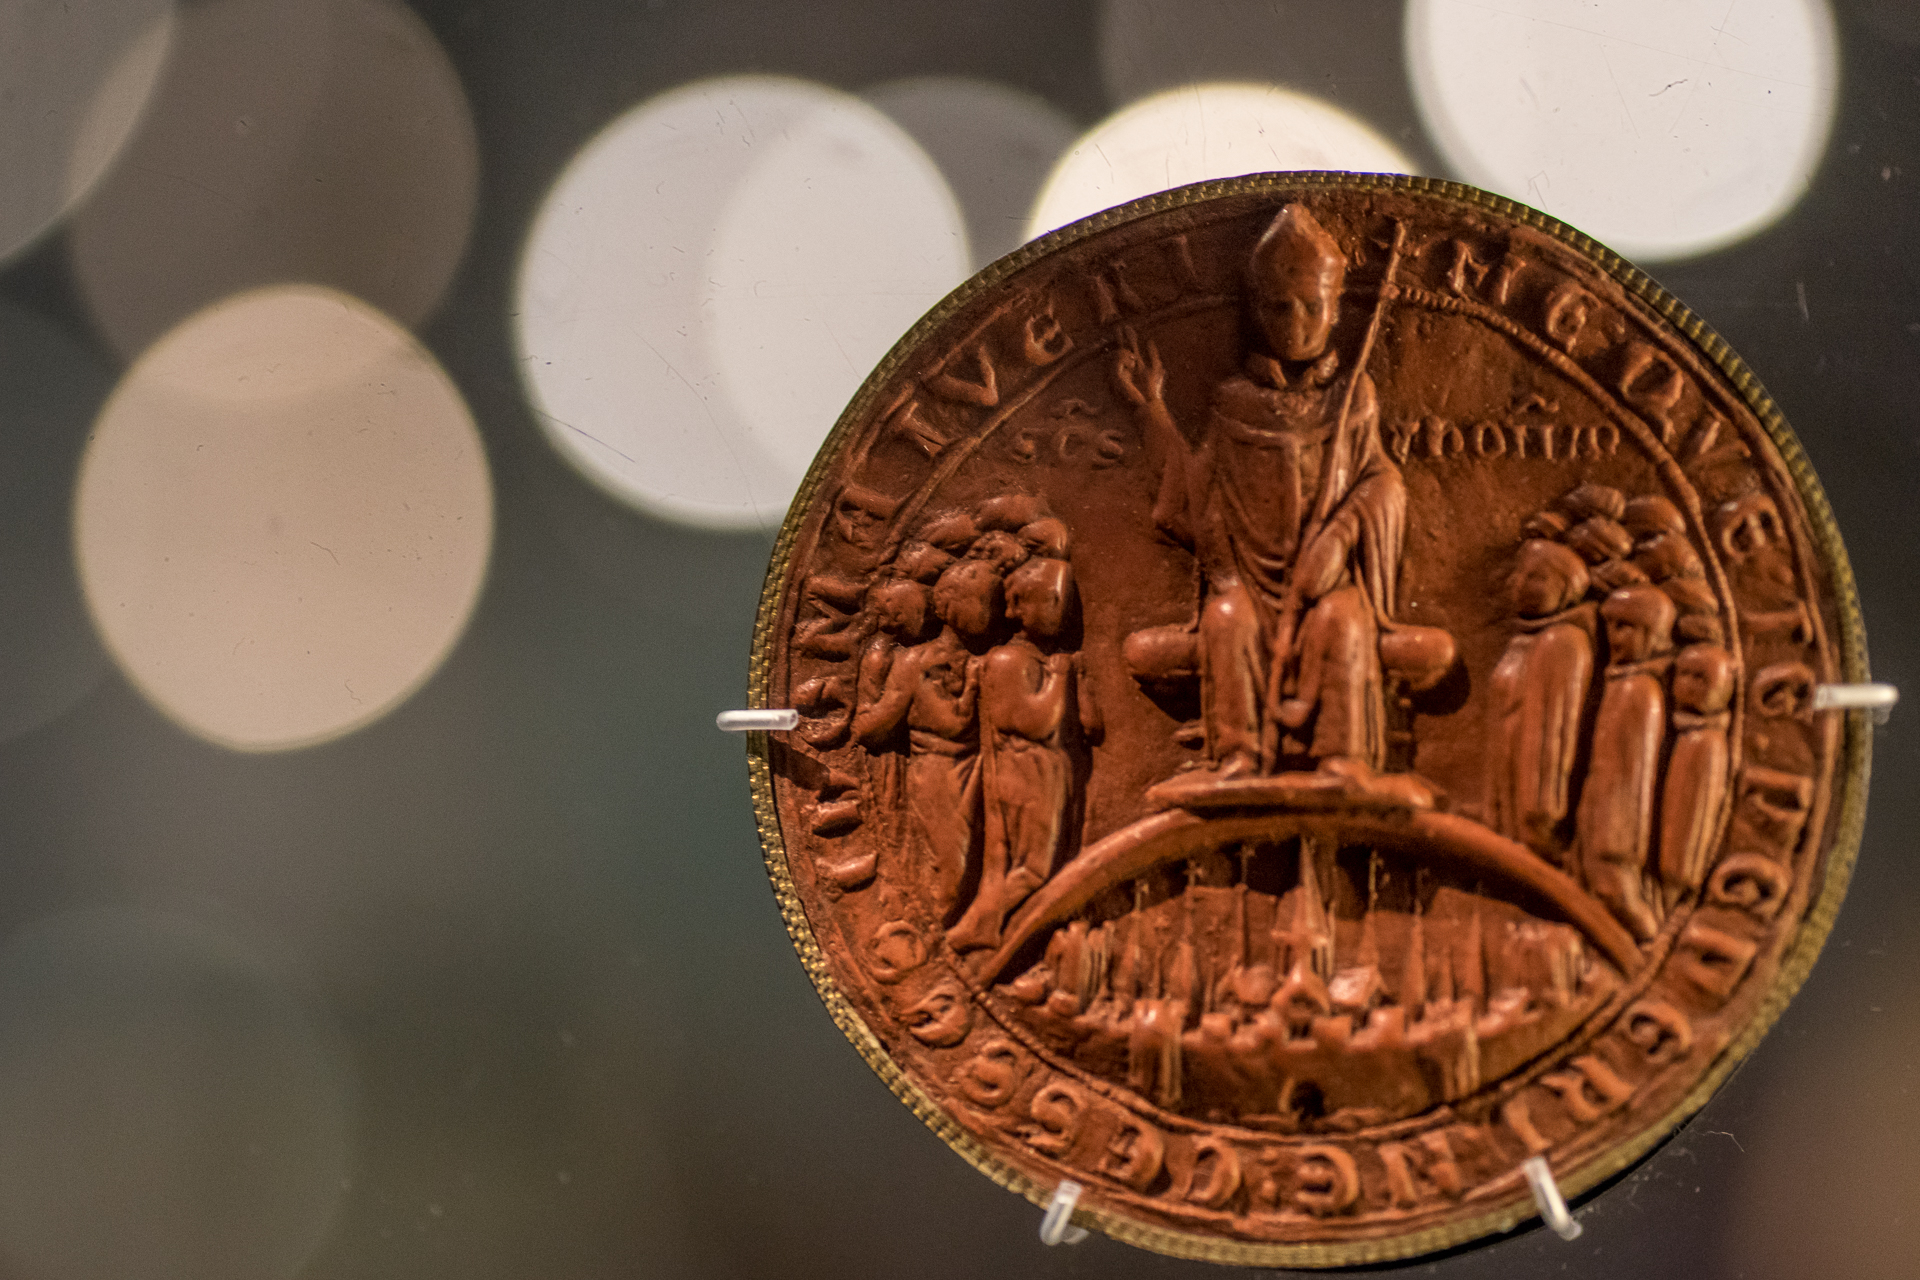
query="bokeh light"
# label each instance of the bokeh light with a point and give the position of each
(711, 279)
(1663, 128)
(168, 1107)
(319, 140)
(284, 518)
(1201, 132)
(1347, 54)
(75, 76)
(994, 143)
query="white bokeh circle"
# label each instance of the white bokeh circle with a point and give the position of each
(283, 519)
(1663, 128)
(711, 279)
(995, 145)
(328, 141)
(1201, 132)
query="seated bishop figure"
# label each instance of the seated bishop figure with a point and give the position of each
(1296, 515)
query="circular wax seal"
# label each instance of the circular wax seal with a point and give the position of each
(1307, 693)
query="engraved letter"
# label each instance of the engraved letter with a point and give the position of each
(1406, 1168)
(1711, 959)
(1746, 525)
(1056, 1109)
(1590, 1090)
(907, 422)
(1400, 439)
(992, 1076)
(942, 1018)
(1542, 433)
(1567, 309)
(1791, 622)
(1784, 690)
(1026, 445)
(1043, 339)
(985, 392)
(1444, 439)
(1660, 1030)
(1111, 291)
(1325, 1181)
(1752, 882)
(1065, 443)
(1704, 447)
(1652, 384)
(1510, 266)
(1216, 1173)
(832, 630)
(894, 951)
(1519, 1118)
(1134, 1154)
(860, 515)
(1182, 254)
(1774, 804)
(1597, 441)
(1465, 269)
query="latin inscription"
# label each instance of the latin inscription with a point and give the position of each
(994, 385)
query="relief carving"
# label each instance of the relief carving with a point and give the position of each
(1296, 515)
(1029, 702)
(969, 704)
(1615, 820)
(1540, 690)
(1694, 796)
(1299, 743)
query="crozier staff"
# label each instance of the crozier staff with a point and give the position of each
(1296, 515)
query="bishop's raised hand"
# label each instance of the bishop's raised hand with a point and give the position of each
(1138, 372)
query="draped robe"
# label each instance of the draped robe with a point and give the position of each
(1615, 817)
(1692, 798)
(1276, 481)
(1539, 704)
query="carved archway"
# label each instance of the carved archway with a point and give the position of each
(1179, 834)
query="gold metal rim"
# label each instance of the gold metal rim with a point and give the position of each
(1851, 767)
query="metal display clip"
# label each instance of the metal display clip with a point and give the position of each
(1546, 1194)
(1057, 1227)
(764, 719)
(1877, 698)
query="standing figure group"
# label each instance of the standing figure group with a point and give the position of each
(1583, 776)
(993, 703)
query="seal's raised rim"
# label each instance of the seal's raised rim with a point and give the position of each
(1796, 963)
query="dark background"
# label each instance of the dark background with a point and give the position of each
(532, 1011)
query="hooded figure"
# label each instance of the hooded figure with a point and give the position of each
(1296, 515)
(1696, 785)
(1540, 697)
(1615, 817)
